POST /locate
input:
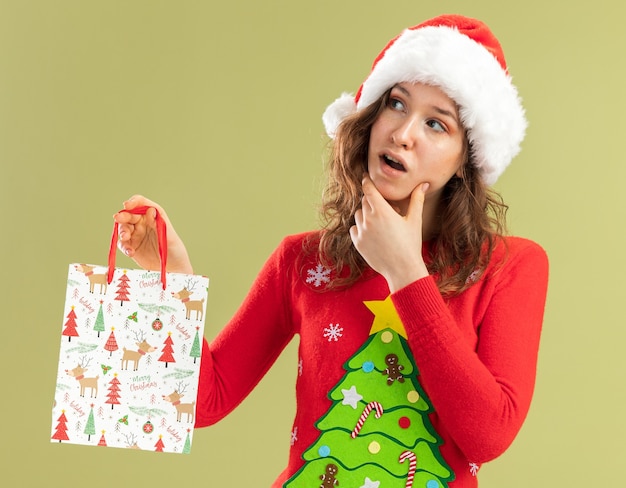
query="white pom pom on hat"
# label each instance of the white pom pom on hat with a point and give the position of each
(462, 57)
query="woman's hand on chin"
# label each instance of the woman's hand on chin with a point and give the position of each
(389, 242)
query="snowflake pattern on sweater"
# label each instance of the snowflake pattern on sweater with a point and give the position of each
(333, 332)
(318, 276)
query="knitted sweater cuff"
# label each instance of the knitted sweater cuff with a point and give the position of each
(425, 315)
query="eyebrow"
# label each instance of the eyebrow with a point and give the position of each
(439, 110)
(445, 112)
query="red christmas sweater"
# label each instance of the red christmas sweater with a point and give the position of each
(476, 353)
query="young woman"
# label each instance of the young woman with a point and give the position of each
(412, 256)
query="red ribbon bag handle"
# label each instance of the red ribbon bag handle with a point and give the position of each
(161, 238)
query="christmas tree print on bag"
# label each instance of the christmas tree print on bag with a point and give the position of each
(377, 432)
(129, 356)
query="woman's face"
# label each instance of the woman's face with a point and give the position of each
(417, 138)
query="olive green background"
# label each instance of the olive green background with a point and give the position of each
(214, 110)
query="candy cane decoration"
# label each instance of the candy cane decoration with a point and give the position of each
(412, 466)
(368, 408)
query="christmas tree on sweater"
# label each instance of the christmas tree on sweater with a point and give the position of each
(377, 433)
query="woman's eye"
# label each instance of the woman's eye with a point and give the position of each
(396, 104)
(436, 125)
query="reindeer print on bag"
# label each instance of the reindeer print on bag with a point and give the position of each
(79, 375)
(94, 279)
(181, 408)
(134, 356)
(190, 305)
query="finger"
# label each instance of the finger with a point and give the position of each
(416, 205)
(374, 197)
(140, 200)
(121, 217)
(368, 187)
(122, 246)
(358, 219)
(355, 230)
(126, 218)
(149, 219)
(137, 201)
(354, 234)
(125, 232)
(127, 224)
(366, 205)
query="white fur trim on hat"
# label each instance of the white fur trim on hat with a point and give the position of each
(489, 106)
(337, 111)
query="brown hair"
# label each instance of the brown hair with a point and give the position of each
(472, 215)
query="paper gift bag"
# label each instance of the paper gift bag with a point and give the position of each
(129, 358)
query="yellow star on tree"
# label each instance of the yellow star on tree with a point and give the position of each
(385, 316)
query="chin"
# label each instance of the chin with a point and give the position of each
(392, 195)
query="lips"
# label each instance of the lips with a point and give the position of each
(393, 163)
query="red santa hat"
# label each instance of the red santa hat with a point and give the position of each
(462, 57)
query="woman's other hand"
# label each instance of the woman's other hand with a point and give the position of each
(138, 237)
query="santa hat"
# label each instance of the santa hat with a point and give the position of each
(462, 57)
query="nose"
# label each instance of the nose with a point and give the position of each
(406, 133)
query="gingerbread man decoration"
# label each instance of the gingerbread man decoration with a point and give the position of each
(393, 370)
(328, 478)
